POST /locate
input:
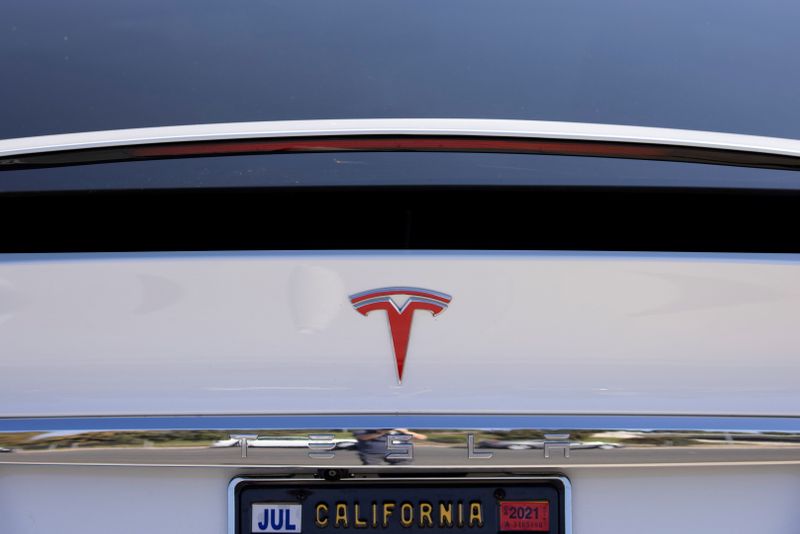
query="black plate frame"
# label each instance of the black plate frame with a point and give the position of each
(237, 483)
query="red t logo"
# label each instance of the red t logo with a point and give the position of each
(400, 318)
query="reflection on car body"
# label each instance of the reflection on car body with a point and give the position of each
(391, 446)
(540, 444)
(283, 442)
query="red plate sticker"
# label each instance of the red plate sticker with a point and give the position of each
(530, 516)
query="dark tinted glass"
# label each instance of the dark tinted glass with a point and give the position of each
(97, 64)
(393, 169)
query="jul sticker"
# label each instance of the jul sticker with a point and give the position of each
(277, 517)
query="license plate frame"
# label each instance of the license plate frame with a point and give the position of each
(245, 491)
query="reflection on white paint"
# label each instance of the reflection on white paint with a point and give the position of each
(11, 301)
(316, 295)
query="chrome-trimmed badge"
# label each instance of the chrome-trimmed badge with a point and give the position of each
(400, 315)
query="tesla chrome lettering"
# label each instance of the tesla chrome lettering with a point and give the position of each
(398, 445)
(400, 317)
(556, 442)
(321, 445)
(472, 454)
(244, 441)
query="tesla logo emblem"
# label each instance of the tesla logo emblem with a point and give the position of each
(400, 315)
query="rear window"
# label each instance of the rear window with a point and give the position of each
(714, 65)
(351, 169)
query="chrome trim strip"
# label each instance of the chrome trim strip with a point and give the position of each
(575, 131)
(231, 497)
(567, 503)
(422, 421)
(481, 442)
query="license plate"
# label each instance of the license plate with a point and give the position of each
(400, 506)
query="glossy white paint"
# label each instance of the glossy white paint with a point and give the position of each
(275, 333)
(96, 500)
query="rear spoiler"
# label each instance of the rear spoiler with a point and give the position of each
(419, 135)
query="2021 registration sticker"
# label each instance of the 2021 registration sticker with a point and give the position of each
(525, 516)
